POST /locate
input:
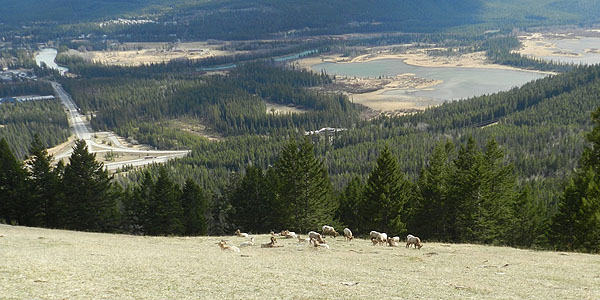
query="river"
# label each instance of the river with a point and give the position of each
(47, 56)
(458, 82)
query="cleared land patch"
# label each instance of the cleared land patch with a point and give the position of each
(57, 264)
(135, 54)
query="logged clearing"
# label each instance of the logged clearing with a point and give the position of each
(136, 54)
(57, 264)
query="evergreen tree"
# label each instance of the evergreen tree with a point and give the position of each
(498, 184)
(42, 183)
(89, 203)
(348, 212)
(529, 221)
(429, 212)
(251, 208)
(221, 210)
(195, 204)
(462, 207)
(305, 191)
(385, 196)
(12, 182)
(165, 213)
(136, 207)
(576, 225)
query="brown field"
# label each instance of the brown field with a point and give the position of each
(135, 54)
(56, 264)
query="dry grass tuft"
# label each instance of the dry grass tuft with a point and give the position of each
(57, 264)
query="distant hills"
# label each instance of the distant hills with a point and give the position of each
(246, 19)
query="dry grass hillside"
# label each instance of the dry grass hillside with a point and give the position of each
(56, 264)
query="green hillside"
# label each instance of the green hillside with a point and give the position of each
(237, 19)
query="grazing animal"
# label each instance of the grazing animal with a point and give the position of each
(290, 235)
(240, 234)
(318, 244)
(413, 240)
(382, 238)
(329, 230)
(248, 243)
(374, 234)
(348, 234)
(393, 241)
(270, 244)
(313, 235)
(225, 247)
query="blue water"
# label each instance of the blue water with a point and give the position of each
(578, 46)
(458, 83)
(47, 56)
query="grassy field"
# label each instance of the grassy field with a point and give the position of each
(56, 264)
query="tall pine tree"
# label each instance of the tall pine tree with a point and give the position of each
(251, 208)
(305, 191)
(348, 212)
(429, 212)
(576, 225)
(194, 203)
(43, 187)
(165, 213)
(12, 183)
(385, 197)
(89, 203)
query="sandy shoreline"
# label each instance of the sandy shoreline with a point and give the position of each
(416, 58)
(380, 98)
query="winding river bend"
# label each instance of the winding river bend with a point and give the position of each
(47, 57)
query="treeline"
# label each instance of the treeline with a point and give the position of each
(464, 194)
(20, 121)
(232, 104)
(16, 58)
(81, 195)
(541, 140)
(25, 88)
(499, 50)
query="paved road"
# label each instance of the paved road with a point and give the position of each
(83, 132)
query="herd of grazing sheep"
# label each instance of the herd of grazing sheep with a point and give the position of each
(317, 239)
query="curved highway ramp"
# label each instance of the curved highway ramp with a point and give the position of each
(110, 149)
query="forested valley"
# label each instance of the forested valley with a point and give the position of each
(487, 169)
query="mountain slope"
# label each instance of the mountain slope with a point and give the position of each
(58, 264)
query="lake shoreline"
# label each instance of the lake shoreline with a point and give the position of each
(474, 60)
(401, 93)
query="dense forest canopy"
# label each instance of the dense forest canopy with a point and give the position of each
(231, 19)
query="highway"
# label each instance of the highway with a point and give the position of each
(82, 131)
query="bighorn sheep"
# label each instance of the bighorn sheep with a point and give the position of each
(248, 243)
(393, 241)
(329, 230)
(240, 234)
(378, 237)
(413, 240)
(318, 244)
(225, 247)
(382, 238)
(316, 236)
(348, 234)
(270, 244)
